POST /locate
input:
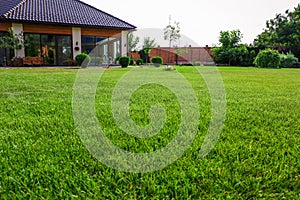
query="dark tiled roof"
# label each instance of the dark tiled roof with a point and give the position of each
(65, 12)
(6, 5)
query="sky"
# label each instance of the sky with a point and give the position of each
(200, 20)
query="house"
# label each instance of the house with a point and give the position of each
(58, 30)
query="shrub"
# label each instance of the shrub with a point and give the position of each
(139, 61)
(197, 63)
(267, 58)
(157, 60)
(124, 61)
(131, 61)
(117, 60)
(288, 60)
(83, 59)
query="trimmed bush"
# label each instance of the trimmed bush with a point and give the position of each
(288, 60)
(117, 60)
(139, 61)
(131, 61)
(267, 58)
(124, 61)
(157, 60)
(83, 60)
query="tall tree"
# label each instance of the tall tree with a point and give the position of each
(230, 51)
(133, 42)
(149, 43)
(229, 39)
(171, 33)
(282, 31)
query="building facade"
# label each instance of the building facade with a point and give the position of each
(58, 30)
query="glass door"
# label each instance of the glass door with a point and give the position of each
(48, 49)
(63, 49)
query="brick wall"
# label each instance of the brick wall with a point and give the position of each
(183, 55)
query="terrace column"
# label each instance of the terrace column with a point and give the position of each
(124, 43)
(76, 35)
(18, 30)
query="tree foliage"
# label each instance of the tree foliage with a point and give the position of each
(230, 39)
(230, 51)
(282, 31)
(288, 60)
(149, 43)
(12, 40)
(172, 31)
(133, 42)
(268, 58)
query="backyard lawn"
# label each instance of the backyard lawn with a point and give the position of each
(256, 156)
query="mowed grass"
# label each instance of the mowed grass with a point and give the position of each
(257, 154)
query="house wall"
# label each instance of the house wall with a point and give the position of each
(18, 30)
(48, 29)
(5, 26)
(75, 32)
(99, 32)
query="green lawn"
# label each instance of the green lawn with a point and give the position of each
(257, 154)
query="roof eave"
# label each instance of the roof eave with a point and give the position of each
(4, 19)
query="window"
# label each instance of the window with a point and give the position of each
(55, 49)
(5, 54)
(108, 49)
(34, 45)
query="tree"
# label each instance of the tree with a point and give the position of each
(171, 33)
(282, 31)
(229, 39)
(133, 41)
(230, 51)
(12, 40)
(149, 43)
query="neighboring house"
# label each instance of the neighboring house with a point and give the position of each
(58, 30)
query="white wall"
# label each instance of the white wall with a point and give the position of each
(124, 43)
(76, 35)
(18, 29)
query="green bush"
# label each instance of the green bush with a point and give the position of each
(131, 61)
(83, 59)
(124, 61)
(267, 58)
(139, 61)
(288, 60)
(157, 60)
(117, 60)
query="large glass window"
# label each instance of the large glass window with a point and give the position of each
(108, 49)
(88, 43)
(55, 49)
(33, 48)
(5, 54)
(63, 48)
(48, 49)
